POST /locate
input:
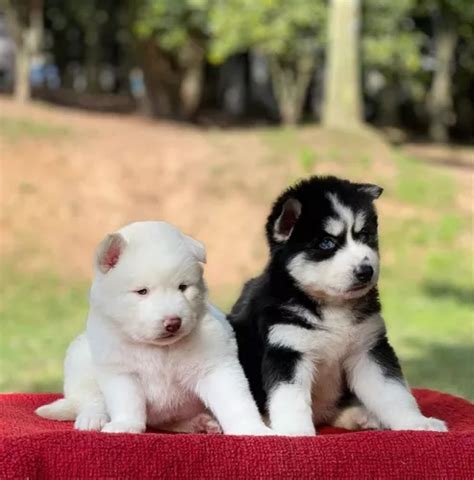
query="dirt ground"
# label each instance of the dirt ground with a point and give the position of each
(61, 192)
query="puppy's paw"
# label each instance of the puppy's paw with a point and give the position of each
(423, 423)
(92, 421)
(297, 432)
(123, 427)
(259, 430)
(355, 418)
(294, 429)
(205, 423)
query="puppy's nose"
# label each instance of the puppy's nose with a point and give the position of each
(172, 324)
(364, 273)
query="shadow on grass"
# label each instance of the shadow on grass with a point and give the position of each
(441, 366)
(450, 291)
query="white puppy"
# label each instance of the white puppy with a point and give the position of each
(153, 354)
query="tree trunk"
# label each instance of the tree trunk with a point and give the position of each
(290, 84)
(92, 56)
(22, 90)
(440, 100)
(161, 80)
(232, 87)
(17, 24)
(191, 87)
(389, 101)
(342, 97)
(36, 27)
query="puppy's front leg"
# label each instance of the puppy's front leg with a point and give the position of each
(288, 378)
(125, 402)
(376, 378)
(225, 391)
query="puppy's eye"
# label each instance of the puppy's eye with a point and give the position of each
(327, 243)
(142, 291)
(183, 287)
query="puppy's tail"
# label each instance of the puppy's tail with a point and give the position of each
(62, 409)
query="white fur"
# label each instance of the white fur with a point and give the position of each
(388, 399)
(359, 222)
(126, 372)
(334, 226)
(342, 210)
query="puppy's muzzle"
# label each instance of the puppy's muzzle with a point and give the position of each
(364, 273)
(172, 324)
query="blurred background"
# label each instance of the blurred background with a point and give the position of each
(200, 112)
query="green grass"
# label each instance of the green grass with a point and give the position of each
(39, 316)
(307, 159)
(16, 129)
(427, 288)
(416, 187)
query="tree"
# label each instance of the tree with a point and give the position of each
(289, 34)
(343, 96)
(90, 17)
(391, 49)
(174, 35)
(24, 20)
(450, 19)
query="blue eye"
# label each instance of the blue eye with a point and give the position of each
(327, 244)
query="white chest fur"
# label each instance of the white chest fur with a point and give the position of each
(167, 375)
(335, 336)
(167, 383)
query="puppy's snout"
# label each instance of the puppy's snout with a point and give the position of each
(364, 273)
(172, 324)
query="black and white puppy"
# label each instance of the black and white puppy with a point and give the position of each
(311, 337)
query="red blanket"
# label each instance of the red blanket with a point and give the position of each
(32, 447)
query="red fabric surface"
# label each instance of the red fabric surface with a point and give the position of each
(35, 448)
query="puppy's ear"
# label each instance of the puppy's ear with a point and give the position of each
(285, 223)
(197, 248)
(373, 190)
(109, 251)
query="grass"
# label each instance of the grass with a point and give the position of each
(40, 314)
(426, 285)
(427, 288)
(416, 188)
(16, 129)
(307, 159)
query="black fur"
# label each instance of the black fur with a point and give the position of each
(367, 305)
(278, 365)
(261, 303)
(312, 194)
(385, 356)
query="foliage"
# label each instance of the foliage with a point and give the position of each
(391, 43)
(398, 39)
(279, 28)
(173, 23)
(288, 34)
